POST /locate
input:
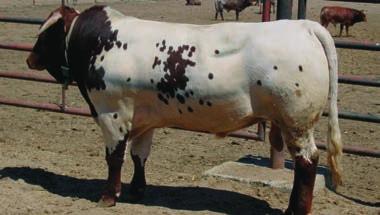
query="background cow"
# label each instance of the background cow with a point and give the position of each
(237, 5)
(223, 78)
(341, 15)
(193, 2)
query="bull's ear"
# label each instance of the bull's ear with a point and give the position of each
(52, 19)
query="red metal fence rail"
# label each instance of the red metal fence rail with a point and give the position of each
(62, 108)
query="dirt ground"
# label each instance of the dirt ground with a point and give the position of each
(52, 163)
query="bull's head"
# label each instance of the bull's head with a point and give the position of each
(49, 51)
(248, 3)
(360, 16)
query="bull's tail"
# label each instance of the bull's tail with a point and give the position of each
(334, 142)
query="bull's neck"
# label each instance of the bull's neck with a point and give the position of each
(67, 39)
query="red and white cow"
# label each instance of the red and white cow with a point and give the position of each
(138, 75)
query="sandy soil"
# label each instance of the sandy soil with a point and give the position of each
(54, 164)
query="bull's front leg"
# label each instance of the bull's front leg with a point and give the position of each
(116, 131)
(305, 155)
(140, 150)
(115, 161)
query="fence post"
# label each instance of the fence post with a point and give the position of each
(284, 9)
(301, 9)
(266, 11)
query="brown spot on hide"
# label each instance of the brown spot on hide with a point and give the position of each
(298, 93)
(163, 46)
(174, 78)
(300, 68)
(181, 99)
(163, 99)
(190, 109)
(297, 85)
(156, 62)
(209, 103)
(210, 76)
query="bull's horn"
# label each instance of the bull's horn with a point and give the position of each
(52, 19)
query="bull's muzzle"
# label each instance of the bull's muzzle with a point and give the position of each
(33, 62)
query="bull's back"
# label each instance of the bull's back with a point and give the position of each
(220, 77)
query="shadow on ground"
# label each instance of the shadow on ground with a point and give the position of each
(180, 198)
(322, 170)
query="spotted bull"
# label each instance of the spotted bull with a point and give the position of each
(138, 75)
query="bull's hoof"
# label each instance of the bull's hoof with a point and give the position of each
(107, 201)
(290, 211)
(135, 195)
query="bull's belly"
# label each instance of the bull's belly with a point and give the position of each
(218, 116)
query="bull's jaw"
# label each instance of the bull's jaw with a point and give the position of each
(32, 62)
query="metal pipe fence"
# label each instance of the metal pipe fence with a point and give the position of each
(260, 135)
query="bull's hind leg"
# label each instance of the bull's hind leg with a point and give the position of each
(115, 133)
(140, 149)
(305, 154)
(341, 30)
(347, 26)
(237, 15)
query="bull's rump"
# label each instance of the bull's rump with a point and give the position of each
(229, 74)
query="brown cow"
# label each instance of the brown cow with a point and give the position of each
(344, 16)
(193, 2)
(237, 5)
